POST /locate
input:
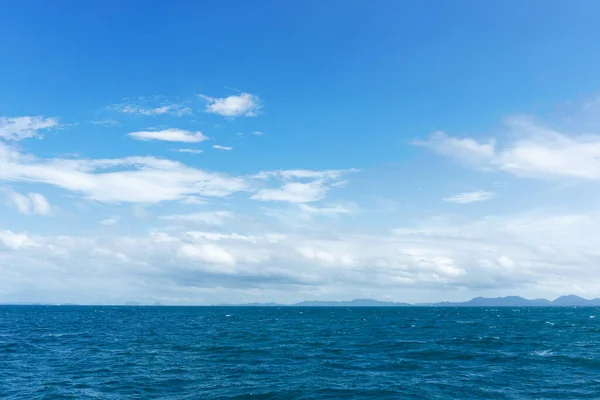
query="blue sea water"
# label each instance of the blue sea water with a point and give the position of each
(70, 352)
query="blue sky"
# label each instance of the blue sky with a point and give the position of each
(197, 152)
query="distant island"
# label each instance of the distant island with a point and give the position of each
(508, 301)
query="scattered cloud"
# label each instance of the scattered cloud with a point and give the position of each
(105, 122)
(535, 252)
(32, 203)
(299, 186)
(192, 151)
(532, 151)
(111, 220)
(169, 135)
(470, 197)
(219, 147)
(330, 209)
(173, 109)
(208, 253)
(193, 200)
(129, 179)
(257, 133)
(244, 104)
(205, 217)
(294, 192)
(19, 128)
(150, 106)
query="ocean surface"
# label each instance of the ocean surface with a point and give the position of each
(72, 352)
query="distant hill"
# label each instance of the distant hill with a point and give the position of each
(508, 301)
(352, 303)
(572, 300)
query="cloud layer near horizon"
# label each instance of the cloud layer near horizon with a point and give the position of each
(150, 228)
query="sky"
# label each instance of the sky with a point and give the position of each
(253, 151)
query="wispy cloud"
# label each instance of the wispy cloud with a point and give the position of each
(105, 122)
(192, 151)
(257, 133)
(299, 186)
(111, 220)
(470, 197)
(150, 106)
(535, 152)
(19, 128)
(205, 217)
(170, 135)
(130, 179)
(219, 147)
(244, 104)
(32, 203)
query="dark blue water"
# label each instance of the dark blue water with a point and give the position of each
(298, 353)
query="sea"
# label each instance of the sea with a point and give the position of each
(92, 352)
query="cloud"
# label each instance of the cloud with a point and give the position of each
(533, 253)
(169, 135)
(330, 174)
(244, 104)
(294, 192)
(192, 151)
(209, 253)
(105, 122)
(15, 241)
(219, 147)
(32, 203)
(299, 186)
(111, 221)
(332, 209)
(20, 128)
(206, 217)
(470, 197)
(130, 179)
(257, 133)
(532, 151)
(131, 107)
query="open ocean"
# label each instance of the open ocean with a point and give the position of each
(72, 352)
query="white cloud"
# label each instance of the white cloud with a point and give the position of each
(205, 217)
(257, 133)
(191, 151)
(170, 109)
(170, 135)
(470, 197)
(130, 179)
(193, 200)
(532, 254)
(209, 253)
(534, 151)
(330, 174)
(294, 192)
(105, 122)
(244, 104)
(20, 128)
(111, 220)
(331, 209)
(15, 241)
(219, 147)
(33, 203)
(299, 186)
